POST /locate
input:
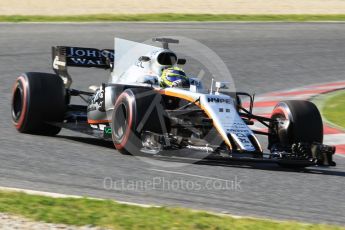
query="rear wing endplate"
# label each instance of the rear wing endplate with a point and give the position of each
(64, 56)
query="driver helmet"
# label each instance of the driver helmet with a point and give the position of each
(173, 77)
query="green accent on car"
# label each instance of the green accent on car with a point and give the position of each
(107, 131)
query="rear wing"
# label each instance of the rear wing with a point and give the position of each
(64, 56)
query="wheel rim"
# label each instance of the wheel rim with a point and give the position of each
(282, 130)
(17, 103)
(120, 126)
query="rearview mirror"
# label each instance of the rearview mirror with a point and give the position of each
(221, 85)
(181, 61)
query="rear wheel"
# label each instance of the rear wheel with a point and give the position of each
(38, 100)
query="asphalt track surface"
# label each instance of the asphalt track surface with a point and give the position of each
(261, 57)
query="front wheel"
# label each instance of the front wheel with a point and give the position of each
(298, 122)
(135, 111)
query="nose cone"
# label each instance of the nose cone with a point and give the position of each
(221, 109)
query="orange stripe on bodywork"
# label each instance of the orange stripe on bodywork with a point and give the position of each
(97, 121)
(191, 99)
(178, 95)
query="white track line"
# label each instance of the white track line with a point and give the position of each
(334, 139)
(39, 193)
(263, 110)
(283, 98)
(61, 195)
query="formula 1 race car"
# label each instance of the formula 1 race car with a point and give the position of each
(141, 117)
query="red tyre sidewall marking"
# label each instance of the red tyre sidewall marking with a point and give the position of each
(129, 121)
(280, 110)
(21, 80)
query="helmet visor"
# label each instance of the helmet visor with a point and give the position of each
(174, 78)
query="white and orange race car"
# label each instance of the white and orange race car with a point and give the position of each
(141, 117)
